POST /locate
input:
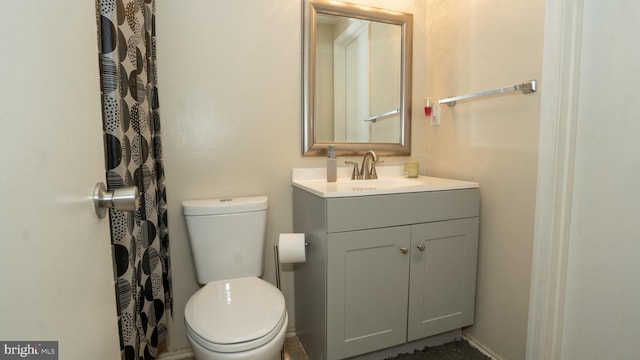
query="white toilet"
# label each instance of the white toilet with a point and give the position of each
(236, 315)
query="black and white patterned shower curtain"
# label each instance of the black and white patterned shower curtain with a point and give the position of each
(133, 151)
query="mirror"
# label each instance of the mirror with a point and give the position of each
(357, 79)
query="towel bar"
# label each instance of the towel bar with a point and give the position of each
(526, 88)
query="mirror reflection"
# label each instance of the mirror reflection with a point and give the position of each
(357, 79)
(358, 67)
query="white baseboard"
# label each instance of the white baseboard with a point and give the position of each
(483, 349)
(176, 355)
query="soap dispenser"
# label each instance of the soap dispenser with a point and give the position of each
(332, 170)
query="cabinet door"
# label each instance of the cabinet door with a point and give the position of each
(443, 276)
(367, 281)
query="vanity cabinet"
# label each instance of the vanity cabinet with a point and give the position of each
(384, 270)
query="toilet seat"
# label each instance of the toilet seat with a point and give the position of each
(235, 315)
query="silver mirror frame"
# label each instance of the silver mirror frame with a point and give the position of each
(405, 20)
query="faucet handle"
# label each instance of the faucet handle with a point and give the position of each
(373, 174)
(356, 172)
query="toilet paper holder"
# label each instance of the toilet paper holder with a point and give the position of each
(277, 263)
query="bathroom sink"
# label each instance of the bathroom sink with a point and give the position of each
(374, 184)
(390, 181)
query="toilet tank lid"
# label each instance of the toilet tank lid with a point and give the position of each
(224, 205)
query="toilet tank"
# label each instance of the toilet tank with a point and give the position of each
(227, 236)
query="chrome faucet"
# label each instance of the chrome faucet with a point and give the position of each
(368, 169)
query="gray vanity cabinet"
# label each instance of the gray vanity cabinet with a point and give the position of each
(384, 270)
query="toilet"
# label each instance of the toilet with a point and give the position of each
(235, 315)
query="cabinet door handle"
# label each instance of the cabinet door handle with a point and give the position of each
(404, 250)
(421, 247)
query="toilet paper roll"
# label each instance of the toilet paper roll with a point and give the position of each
(291, 248)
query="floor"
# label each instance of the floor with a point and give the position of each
(293, 350)
(457, 350)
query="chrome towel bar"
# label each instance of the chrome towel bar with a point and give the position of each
(526, 88)
(383, 115)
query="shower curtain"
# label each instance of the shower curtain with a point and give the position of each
(133, 156)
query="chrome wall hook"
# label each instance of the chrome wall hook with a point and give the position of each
(125, 199)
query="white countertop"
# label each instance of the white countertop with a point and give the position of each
(390, 180)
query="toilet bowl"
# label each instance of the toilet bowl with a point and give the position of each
(242, 318)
